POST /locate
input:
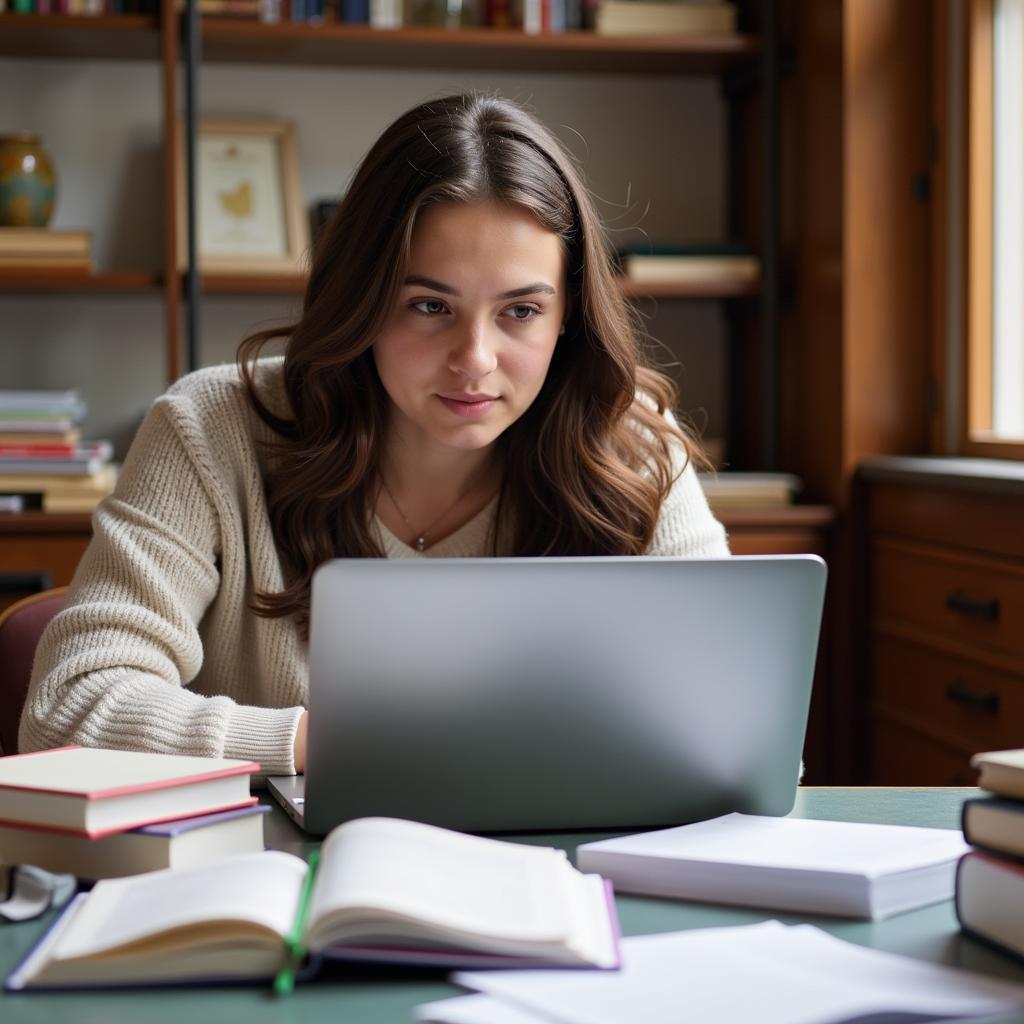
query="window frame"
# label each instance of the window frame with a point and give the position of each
(976, 358)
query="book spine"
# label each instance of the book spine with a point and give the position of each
(498, 14)
(533, 16)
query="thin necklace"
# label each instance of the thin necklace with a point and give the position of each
(420, 536)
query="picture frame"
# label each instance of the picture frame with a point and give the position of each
(249, 213)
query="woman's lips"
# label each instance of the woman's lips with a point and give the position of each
(467, 405)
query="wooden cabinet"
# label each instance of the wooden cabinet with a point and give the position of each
(945, 615)
(38, 551)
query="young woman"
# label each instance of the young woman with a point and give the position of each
(464, 381)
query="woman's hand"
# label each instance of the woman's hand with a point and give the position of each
(300, 744)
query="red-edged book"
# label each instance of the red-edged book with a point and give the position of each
(95, 792)
(990, 901)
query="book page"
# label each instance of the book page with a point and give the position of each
(458, 882)
(261, 889)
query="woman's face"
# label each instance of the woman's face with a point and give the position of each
(469, 342)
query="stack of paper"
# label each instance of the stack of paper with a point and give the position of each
(769, 972)
(848, 868)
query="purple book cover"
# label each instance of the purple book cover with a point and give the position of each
(169, 829)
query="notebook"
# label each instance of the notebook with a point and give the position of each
(493, 695)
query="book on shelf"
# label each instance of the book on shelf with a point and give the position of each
(66, 439)
(1001, 772)
(45, 263)
(66, 400)
(85, 459)
(990, 901)
(91, 791)
(26, 449)
(641, 17)
(40, 412)
(995, 824)
(691, 268)
(179, 843)
(19, 421)
(39, 248)
(849, 869)
(379, 889)
(96, 484)
(730, 489)
(58, 503)
(769, 973)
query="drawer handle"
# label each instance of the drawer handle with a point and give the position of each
(986, 608)
(959, 693)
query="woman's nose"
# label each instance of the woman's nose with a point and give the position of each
(473, 355)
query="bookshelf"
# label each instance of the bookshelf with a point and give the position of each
(159, 38)
(742, 64)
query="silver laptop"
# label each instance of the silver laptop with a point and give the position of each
(493, 695)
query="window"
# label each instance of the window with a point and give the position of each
(994, 364)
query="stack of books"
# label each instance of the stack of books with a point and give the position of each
(657, 17)
(43, 460)
(106, 813)
(730, 490)
(990, 880)
(709, 265)
(45, 249)
(378, 889)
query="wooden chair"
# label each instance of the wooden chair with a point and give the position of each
(21, 626)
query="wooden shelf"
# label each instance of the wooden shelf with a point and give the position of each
(770, 516)
(724, 289)
(103, 37)
(12, 280)
(287, 284)
(137, 37)
(487, 49)
(247, 284)
(45, 522)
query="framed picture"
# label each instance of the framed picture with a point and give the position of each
(249, 213)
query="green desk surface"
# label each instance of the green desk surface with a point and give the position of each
(365, 995)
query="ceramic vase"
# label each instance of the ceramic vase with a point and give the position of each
(28, 184)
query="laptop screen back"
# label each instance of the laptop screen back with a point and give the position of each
(522, 694)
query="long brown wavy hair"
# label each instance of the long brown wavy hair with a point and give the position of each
(586, 467)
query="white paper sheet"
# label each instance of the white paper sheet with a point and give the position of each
(766, 972)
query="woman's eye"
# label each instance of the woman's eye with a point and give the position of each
(523, 312)
(431, 307)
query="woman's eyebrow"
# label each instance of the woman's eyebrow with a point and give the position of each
(447, 289)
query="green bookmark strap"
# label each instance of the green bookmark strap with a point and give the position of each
(294, 946)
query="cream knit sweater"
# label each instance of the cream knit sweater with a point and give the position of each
(156, 648)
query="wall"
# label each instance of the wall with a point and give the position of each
(100, 122)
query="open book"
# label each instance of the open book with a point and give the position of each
(381, 889)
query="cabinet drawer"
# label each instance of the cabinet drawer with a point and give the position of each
(966, 599)
(970, 706)
(902, 757)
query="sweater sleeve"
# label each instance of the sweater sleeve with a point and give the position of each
(686, 526)
(112, 669)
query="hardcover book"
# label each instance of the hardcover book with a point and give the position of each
(94, 792)
(1001, 771)
(182, 842)
(378, 889)
(995, 824)
(990, 901)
